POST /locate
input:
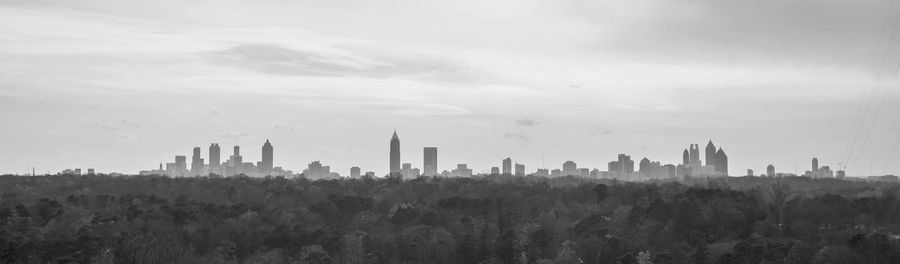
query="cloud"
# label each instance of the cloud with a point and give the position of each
(601, 132)
(333, 62)
(517, 137)
(526, 122)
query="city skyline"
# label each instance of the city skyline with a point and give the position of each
(715, 163)
(111, 85)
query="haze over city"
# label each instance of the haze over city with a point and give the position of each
(121, 87)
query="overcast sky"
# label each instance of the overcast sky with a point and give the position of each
(124, 85)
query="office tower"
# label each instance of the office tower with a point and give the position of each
(215, 157)
(196, 162)
(711, 154)
(644, 167)
(237, 150)
(429, 164)
(507, 166)
(354, 172)
(266, 165)
(770, 170)
(395, 154)
(695, 155)
(495, 170)
(180, 165)
(749, 172)
(626, 164)
(686, 157)
(583, 172)
(721, 162)
(569, 168)
(815, 164)
(520, 169)
(840, 174)
(461, 170)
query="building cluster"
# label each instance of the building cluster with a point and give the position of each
(234, 165)
(714, 164)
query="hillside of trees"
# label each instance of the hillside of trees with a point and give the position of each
(494, 219)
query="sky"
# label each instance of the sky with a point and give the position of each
(121, 86)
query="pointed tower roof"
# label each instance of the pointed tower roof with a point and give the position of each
(710, 145)
(720, 151)
(395, 135)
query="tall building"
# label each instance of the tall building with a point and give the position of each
(495, 171)
(644, 167)
(520, 169)
(354, 172)
(395, 153)
(215, 156)
(711, 154)
(686, 157)
(815, 164)
(196, 162)
(770, 170)
(430, 161)
(721, 162)
(695, 155)
(569, 168)
(507, 166)
(266, 165)
(750, 172)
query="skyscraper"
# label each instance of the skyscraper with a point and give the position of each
(815, 164)
(215, 156)
(686, 157)
(507, 166)
(711, 155)
(695, 155)
(644, 167)
(569, 168)
(520, 169)
(196, 162)
(395, 154)
(770, 170)
(354, 172)
(430, 161)
(721, 162)
(266, 165)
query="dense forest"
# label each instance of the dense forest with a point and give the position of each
(494, 219)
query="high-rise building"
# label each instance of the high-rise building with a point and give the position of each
(686, 157)
(542, 173)
(354, 172)
(770, 170)
(266, 165)
(721, 162)
(749, 172)
(180, 165)
(495, 171)
(196, 162)
(395, 154)
(569, 168)
(215, 156)
(815, 164)
(520, 169)
(644, 167)
(695, 155)
(430, 161)
(711, 154)
(507, 166)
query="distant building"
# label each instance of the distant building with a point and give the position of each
(265, 166)
(569, 168)
(815, 164)
(840, 174)
(461, 170)
(507, 166)
(408, 171)
(695, 155)
(395, 154)
(711, 154)
(721, 162)
(520, 169)
(354, 172)
(215, 159)
(770, 170)
(584, 172)
(196, 163)
(750, 172)
(556, 173)
(542, 173)
(495, 170)
(315, 171)
(429, 164)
